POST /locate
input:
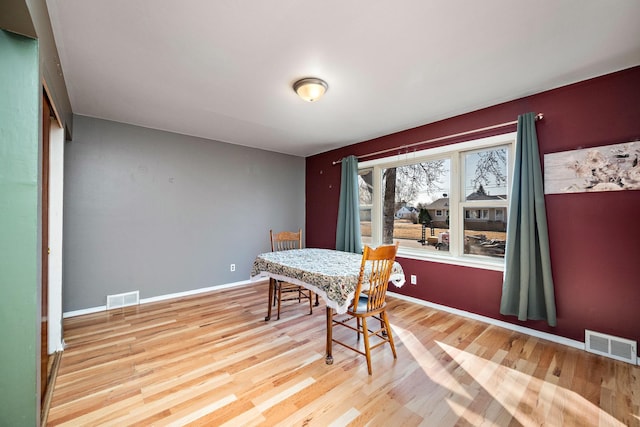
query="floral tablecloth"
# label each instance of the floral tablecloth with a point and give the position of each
(331, 274)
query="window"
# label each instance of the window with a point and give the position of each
(365, 191)
(447, 204)
(406, 188)
(485, 184)
(476, 214)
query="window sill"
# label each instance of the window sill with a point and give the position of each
(463, 261)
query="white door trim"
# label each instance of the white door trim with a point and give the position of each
(56, 180)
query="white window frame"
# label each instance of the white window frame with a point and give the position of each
(457, 204)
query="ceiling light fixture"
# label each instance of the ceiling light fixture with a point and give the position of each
(310, 88)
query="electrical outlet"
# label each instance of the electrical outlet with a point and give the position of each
(414, 279)
(232, 267)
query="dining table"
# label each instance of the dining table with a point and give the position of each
(329, 273)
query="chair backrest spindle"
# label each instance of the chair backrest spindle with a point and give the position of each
(378, 263)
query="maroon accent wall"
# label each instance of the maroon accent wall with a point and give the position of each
(594, 237)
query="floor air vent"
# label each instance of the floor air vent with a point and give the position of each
(123, 300)
(610, 346)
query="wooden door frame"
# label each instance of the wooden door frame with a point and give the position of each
(44, 285)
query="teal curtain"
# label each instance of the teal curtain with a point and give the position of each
(348, 236)
(527, 291)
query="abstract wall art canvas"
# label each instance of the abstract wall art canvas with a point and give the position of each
(607, 168)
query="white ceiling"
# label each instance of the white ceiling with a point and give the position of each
(223, 69)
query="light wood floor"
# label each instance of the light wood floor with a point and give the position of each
(212, 360)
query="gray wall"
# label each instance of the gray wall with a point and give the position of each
(162, 213)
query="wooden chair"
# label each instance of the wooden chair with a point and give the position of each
(283, 241)
(370, 302)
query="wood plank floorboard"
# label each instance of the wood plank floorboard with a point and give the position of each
(212, 360)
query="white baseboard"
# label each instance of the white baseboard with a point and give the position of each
(196, 291)
(535, 333)
(164, 297)
(83, 311)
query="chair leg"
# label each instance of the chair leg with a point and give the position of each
(279, 300)
(389, 335)
(310, 302)
(358, 329)
(383, 327)
(275, 288)
(365, 332)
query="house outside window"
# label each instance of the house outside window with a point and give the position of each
(456, 194)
